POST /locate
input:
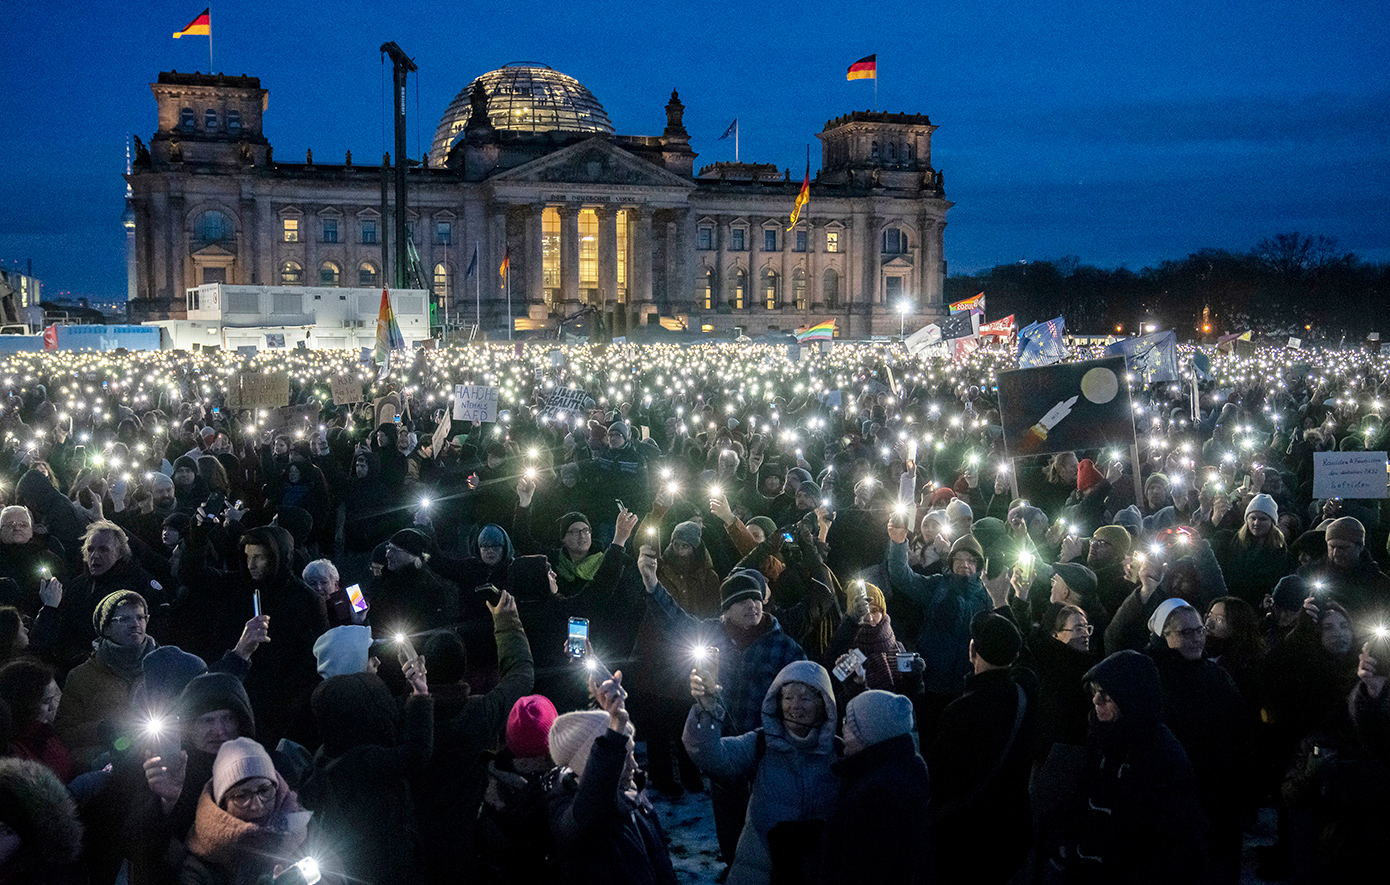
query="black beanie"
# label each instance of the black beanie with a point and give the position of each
(218, 691)
(562, 525)
(448, 659)
(741, 584)
(412, 541)
(997, 640)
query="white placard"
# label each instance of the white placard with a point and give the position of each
(475, 403)
(1349, 475)
(1295, 343)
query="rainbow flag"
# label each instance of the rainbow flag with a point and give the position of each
(864, 69)
(976, 304)
(819, 332)
(388, 331)
(199, 27)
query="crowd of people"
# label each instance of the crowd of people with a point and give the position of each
(371, 643)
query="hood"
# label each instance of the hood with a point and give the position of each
(355, 710)
(814, 675)
(38, 808)
(297, 521)
(36, 491)
(1131, 679)
(493, 529)
(278, 540)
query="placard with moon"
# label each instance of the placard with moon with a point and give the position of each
(1066, 407)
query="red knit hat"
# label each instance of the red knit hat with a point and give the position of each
(1087, 475)
(940, 497)
(528, 726)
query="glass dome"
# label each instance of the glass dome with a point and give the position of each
(523, 97)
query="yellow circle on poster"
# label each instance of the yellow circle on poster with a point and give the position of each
(1100, 385)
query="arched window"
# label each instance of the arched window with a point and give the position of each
(705, 283)
(892, 151)
(330, 274)
(234, 121)
(894, 243)
(441, 281)
(214, 227)
(873, 151)
(740, 288)
(907, 152)
(770, 287)
(188, 120)
(367, 275)
(210, 120)
(830, 288)
(799, 288)
(291, 274)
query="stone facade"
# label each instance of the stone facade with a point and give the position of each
(618, 222)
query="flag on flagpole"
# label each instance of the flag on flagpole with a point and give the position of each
(199, 27)
(732, 130)
(388, 331)
(864, 69)
(999, 328)
(803, 197)
(976, 304)
(472, 264)
(962, 324)
(1153, 358)
(506, 262)
(819, 332)
(1040, 344)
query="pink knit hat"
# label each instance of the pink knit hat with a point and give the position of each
(528, 726)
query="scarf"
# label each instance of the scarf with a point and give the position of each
(583, 570)
(743, 638)
(124, 662)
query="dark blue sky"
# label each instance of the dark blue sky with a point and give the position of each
(1121, 136)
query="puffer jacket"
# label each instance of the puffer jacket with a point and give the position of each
(794, 780)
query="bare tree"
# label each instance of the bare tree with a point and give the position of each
(1295, 257)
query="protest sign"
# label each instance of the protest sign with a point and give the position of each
(567, 399)
(1295, 343)
(275, 339)
(1349, 475)
(474, 402)
(293, 419)
(1066, 407)
(387, 408)
(252, 390)
(346, 391)
(441, 432)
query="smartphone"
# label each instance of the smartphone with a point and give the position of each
(843, 670)
(256, 603)
(1378, 646)
(215, 504)
(787, 538)
(397, 419)
(707, 666)
(217, 410)
(359, 602)
(161, 737)
(407, 648)
(489, 592)
(578, 642)
(621, 506)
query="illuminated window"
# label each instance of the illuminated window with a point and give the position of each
(329, 274)
(210, 120)
(367, 275)
(736, 239)
(830, 288)
(707, 328)
(550, 255)
(291, 229)
(706, 283)
(234, 121)
(369, 234)
(291, 274)
(330, 230)
(740, 287)
(588, 256)
(770, 289)
(622, 256)
(799, 288)
(441, 281)
(832, 241)
(188, 121)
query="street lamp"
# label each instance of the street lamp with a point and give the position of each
(903, 308)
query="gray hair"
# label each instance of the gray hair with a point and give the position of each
(323, 568)
(17, 508)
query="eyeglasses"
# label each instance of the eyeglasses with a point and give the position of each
(263, 794)
(1084, 630)
(1189, 633)
(130, 619)
(580, 531)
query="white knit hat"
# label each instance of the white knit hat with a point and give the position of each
(572, 736)
(1160, 615)
(343, 650)
(237, 760)
(1263, 504)
(874, 716)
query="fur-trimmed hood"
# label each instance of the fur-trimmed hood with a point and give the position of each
(37, 806)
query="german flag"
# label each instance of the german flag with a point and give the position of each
(200, 26)
(506, 261)
(864, 69)
(802, 197)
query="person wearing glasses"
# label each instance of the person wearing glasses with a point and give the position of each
(1207, 714)
(248, 821)
(1061, 649)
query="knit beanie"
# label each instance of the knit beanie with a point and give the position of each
(1116, 536)
(621, 428)
(875, 716)
(798, 475)
(344, 650)
(101, 615)
(996, 638)
(1156, 478)
(810, 488)
(237, 760)
(688, 533)
(1087, 475)
(572, 736)
(1290, 592)
(492, 535)
(528, 726)
(958, 511)
(875, 596)
(767, 525)
(1160, 615)
(562, 525)
(1348, 528)
(1263, 504)
(412, 541)
(741, 584)
(1131, 520)
(168, 670)
(1078, 577)
(217, 691)
(969, 545)
(940, 497)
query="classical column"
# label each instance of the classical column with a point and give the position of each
(641, 270)
(534, 258)
(607, 257)
(569, 259)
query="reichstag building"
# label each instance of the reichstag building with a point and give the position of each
(526, 163)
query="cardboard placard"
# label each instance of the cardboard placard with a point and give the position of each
(1295, 343)
(346, 391)
(1066, 407)
(474, 402)
(254, 390)
(1349, 475)
(441, 433)
(387, 408)
(567, 399)
(290, 419)
(275, 339)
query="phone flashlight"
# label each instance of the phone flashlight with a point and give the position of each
(407, 648)
(424, 503)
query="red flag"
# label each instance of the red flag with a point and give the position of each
(50, 337)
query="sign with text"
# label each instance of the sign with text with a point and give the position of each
(1349, 475)
(302, 419)
(253, 390)
(346, 391)
(567, 400)
(473, 402)
(1066, 407)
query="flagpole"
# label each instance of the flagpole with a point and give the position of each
(211, 69)
(477, 290)
(735, 140)
(444, 334)
(511, 321)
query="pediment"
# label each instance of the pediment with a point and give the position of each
(213, 250)
(593, 161)
(901, 261)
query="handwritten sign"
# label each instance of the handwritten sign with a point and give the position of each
(474, 402)
(566, 400)
(1349, 475)
(1295, 343)
(250, 390)
(293, 419)
(346, 391)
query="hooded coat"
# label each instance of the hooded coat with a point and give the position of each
(34, 804)
(794, 780)
(64, 520)
(948, 604)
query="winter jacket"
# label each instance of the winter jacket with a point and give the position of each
(80, 598)
(1363, 590)
(1063, 704)
(413, 599)
(744, 673)
(1251, 571)
(41, 811)
(63, 519)
(223, 850)
(948, 604)
(884, 790)
(794, 780)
